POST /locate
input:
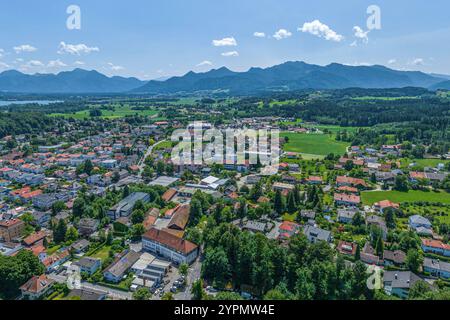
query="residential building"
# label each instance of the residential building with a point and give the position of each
(436, 247)
(437, 268)
(346, 215)
(347, 248)
(394, 258)
(315, 234)
(125, 207)
(88, 265)
(36, 287)
(418, 222)
(118, 269)
(385, 204)
(87, 226)
(398, 283)
(11, 229)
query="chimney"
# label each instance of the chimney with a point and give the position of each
(396, 276)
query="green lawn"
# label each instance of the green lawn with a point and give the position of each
(102, 253)
(369, 198)
(313, 145)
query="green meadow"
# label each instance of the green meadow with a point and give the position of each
(370, 197)
(313, 146)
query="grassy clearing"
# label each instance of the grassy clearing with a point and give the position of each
(313, 146)
(369, 198)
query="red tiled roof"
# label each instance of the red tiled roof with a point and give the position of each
(314, 179)
(180, 218)
(348, 189)
(347, 198)
(417, 175)
(350, 180)
(37, 284)
(33, 238)
(435, 244)
(10, 223)
(169, 240)
(169, 194)
(387, 204)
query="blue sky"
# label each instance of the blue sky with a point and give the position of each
(150, 39)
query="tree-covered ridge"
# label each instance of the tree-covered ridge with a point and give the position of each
(14, 123)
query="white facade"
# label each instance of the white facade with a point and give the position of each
(172, 255)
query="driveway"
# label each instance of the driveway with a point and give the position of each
(141, 164)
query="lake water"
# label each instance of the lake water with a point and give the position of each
(41, 102)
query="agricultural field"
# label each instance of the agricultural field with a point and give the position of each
(370, 197)
(313, 146)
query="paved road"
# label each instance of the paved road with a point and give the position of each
(141, 164)
(193, 275)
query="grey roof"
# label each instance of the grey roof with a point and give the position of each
(255, 226)
(317, 233)
(437, 264)
(416, 219)
(397, 256)
(80, 245)
(119, 267)
(163, 181)
(127, 204)
(87, 262)
(401, 279)
(346, 213)
(310, 214)
(87, 295)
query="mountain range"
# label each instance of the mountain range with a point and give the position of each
(76, 81)
(284, 77)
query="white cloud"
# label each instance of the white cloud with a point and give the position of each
(321, 30)
(282, 34)
(79, 63)
(361, 34)
(230, 54)
(56, 64)
(114, 67)
(354, 44)
(1, 52)
(24, 48)
(4, 65)
(392, 61)
(32, 64)
(230, 41)
(35, 63)
(259, 34)
(76, 49)
(205, 63)
(418, 62)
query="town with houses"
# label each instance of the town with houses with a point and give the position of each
(110, 217)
